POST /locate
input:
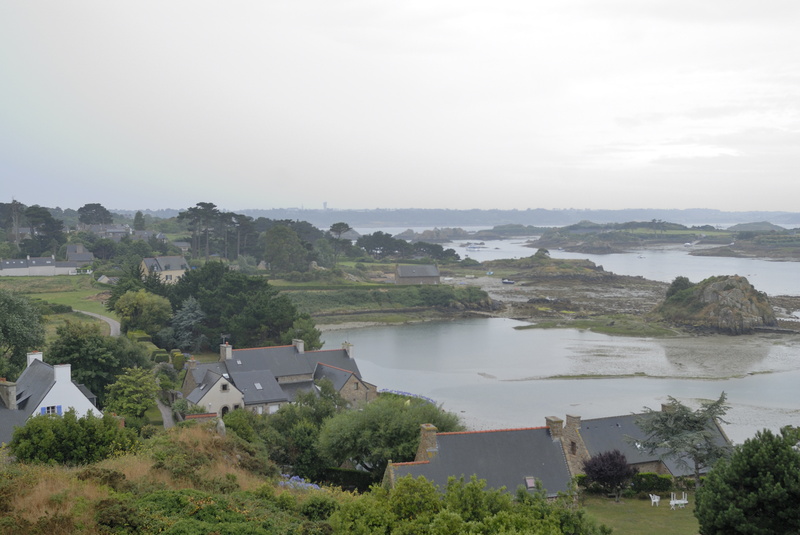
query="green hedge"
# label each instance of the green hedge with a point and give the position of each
(651, 482)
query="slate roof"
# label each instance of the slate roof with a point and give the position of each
(504, 458)
(165, 263)
(264, 365)
(428, 270)
(611, 433)
(32, 386)
(337, 376)
(208, 380)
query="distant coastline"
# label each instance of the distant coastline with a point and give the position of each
(488, 218)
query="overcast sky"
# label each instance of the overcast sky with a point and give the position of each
(401, 104)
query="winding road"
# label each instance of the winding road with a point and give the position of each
(112, 323)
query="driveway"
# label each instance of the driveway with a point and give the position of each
(112, 323)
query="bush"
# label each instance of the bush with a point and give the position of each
(117, 515)
(319, 507)
(651, 482)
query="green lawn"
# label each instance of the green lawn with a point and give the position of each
(635, 517)
(78, 291)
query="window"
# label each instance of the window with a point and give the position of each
(236, 406)
(168, 277)
(573, 448)
(258, 386)
(355, 386)
(224, 387)
(52, 409)
(530, 482)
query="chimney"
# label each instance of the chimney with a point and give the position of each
(667, 407)
(299, 345)
(34, 355)
(62, 373)
(573, 422)
(428, 443)
(555, 424)
(348, 348)
(192, 364)
(8, 393)
(225, 352)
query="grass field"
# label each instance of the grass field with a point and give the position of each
(78, 291)
(636, 517)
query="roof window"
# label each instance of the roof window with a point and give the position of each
(258, 386)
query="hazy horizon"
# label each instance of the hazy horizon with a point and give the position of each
(359, 105)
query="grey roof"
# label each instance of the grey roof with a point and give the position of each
(292, 389)
(165, 263)
(622, 433)
(264, 365)
(32, 386)
(337, 376)
(504, 458)
(427, 270)
(207, 382)
(286, 360)
(258, 387)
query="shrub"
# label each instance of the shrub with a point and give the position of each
(319, 507)
(651, 482)
(119, 516)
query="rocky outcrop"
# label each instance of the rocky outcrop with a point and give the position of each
(727, 304)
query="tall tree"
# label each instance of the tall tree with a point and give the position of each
(133, 393)
(21, 330)
(93, 356)
(48, 232)
(686, 435)
(95, 214)
(284, 251)
(387, 428)
(610, 470)
(336, 230)
(138, 221)
(142, 310)
(187, 325)
(756, 491)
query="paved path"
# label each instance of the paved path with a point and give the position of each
(112, 323)
(166, 414)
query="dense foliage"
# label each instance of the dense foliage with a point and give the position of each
(21, 330)
(385, 429)
(686, 435)
(756, 491)
(70, 440)
(96, 359)
(610, 470)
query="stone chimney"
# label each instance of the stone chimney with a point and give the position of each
(573, 422)
(428, 443)
(667, 407)
(556, 426)
(192, 364)
(348, 348)
(225, 352)
(34, 355)
(299, 345)
(62, 373)
(8, 393)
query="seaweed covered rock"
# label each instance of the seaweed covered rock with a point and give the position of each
(727, 304)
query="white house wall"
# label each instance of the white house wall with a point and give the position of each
(65, 393)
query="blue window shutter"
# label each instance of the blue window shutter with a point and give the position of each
(58, 409)
(44, 410)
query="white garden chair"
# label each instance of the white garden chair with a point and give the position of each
(679, 502)
(655, 499)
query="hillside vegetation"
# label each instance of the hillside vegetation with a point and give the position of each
(727, 304)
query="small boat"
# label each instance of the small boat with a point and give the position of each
(508, 281)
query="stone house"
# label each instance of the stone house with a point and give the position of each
(417, 274)
(263, 379)
(41, 389)
(551, 455)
